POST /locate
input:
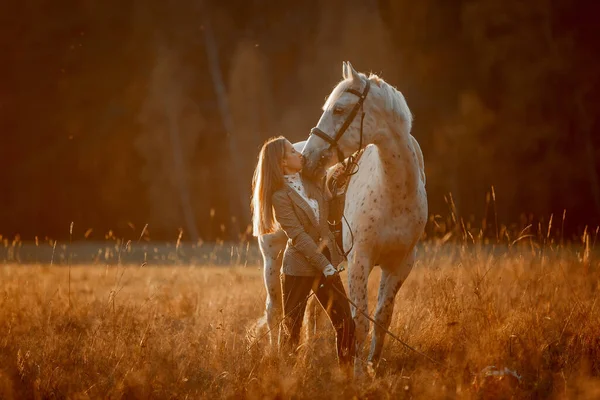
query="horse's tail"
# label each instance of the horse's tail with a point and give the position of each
(419, 153)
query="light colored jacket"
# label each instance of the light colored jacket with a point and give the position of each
(306, 237)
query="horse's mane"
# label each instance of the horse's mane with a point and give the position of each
(336, 93)
(394, 100)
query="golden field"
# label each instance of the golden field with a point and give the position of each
(187, 332)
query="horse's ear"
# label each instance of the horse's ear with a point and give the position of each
(352, 72)
(345, 74)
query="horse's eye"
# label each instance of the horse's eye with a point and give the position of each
(338, 110)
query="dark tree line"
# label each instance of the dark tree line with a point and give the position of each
(118, 114)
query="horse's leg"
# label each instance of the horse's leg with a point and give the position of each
(392, 277)
(271, 247)
(359, 266)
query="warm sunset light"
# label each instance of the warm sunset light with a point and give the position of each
(336, 199)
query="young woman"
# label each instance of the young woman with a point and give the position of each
(283, 198)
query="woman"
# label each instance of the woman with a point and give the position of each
(282, 197)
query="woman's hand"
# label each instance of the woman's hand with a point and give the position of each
(329, 271)
(337, 171)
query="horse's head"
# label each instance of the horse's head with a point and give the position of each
(299, 146)
(347, 123)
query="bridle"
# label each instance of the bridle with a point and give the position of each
(333, 142)
(351, 163)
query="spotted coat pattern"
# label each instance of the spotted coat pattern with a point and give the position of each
(386, 201)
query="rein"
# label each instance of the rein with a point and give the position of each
(363, 313)
(350, 168)
(351, 164)
(396, 338)
(333, 142)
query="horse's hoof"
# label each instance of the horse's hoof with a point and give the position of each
(363, 371)
(370, 369)
(359, 372)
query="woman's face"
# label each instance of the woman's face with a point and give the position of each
(292, 160)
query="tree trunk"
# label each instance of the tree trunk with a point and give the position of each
(180, 172)
(238, 197)
(590, 157)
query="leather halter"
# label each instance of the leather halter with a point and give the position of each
(333, 142)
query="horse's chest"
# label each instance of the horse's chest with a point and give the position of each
(384, 214)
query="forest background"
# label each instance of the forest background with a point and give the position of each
(118, 114)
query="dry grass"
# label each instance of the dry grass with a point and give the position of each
(182, 332)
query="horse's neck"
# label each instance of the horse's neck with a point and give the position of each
(398, 158)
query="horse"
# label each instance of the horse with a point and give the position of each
(386, 201)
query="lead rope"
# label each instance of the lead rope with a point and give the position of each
(367, 316)
(351, 168)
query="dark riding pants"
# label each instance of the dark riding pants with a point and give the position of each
(295, 292)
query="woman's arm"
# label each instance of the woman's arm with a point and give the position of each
(285, 215)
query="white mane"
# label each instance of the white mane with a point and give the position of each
(336, 93)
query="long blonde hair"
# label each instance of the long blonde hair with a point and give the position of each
(268, 177)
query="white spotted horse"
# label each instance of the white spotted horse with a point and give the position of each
(386, 200)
